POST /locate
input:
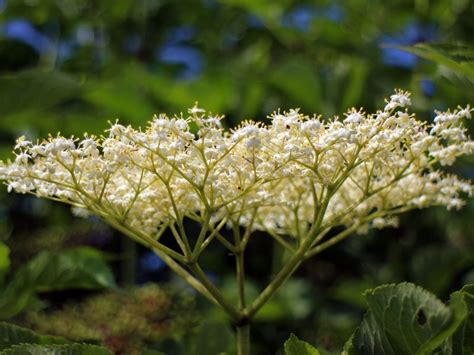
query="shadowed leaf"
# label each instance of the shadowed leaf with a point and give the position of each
(76, 268)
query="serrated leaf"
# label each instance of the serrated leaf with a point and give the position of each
(295, 346)
(11, 334)
(70, 349)
(463, 339)
(76, 268)
(405, 319)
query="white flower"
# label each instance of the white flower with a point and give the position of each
(22, 142)
(354, 117)
(195, 110)
(80, 212)
(22, 158)
(270, 176)
(399, 99)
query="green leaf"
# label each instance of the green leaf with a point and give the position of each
(35, 90)
(295, 346)
(76, 268)
(4, 261)
(405, 319)
(462, 341)
(459, 58)
(69, 349)
(12, 335)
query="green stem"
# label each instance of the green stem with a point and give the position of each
(202, 235)
(241, 278)
(156, 247)
(214, 291)
(347, 232)
(283, 275)
(243, 339)
(243, 325)
(292, 264)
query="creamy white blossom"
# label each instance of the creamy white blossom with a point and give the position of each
(286, 177)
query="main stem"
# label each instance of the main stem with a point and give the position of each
(243, 325)
(243, 339)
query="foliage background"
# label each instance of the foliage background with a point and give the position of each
(71, 65)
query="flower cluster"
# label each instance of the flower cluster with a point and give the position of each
(288, 177)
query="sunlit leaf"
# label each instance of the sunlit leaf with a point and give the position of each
(4, 261)
(295, 346)
(459, 58)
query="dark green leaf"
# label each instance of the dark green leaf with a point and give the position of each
(295, 346)
(405, 319)
(12, 335)
(463, 339)
(76, 268)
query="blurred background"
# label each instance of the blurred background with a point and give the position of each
(72, 65)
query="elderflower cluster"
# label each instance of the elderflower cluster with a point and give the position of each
(283, 177)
